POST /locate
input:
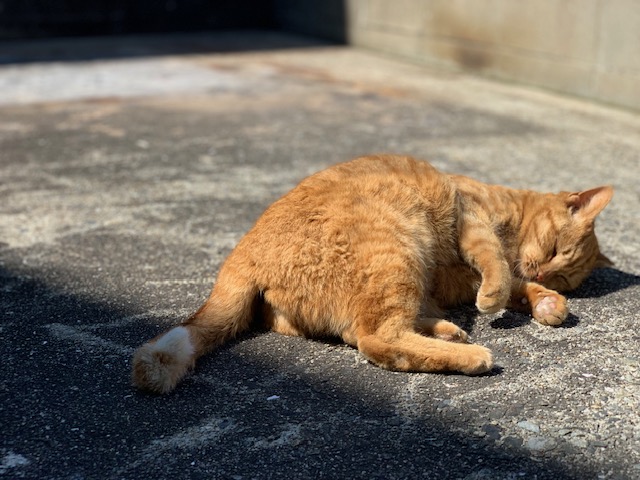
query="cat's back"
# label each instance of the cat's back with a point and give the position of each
(382, 195)
(397, 183)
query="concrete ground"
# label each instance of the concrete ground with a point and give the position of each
(129, 168)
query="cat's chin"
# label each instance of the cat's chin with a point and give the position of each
(527, 270)
(524, 277)
(527, 276)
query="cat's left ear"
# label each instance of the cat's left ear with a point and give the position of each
(590, 203)
(603, 262)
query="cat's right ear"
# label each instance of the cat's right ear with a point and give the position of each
(590, 203)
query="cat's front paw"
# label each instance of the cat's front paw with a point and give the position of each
(492, 298)
(550, 309)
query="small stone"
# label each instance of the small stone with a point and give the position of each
(512, 442)
(514, 410)
(530, 426)
(497, 413)
(492, 431)
(565, 448)
(599, 443)
(578, 442)
(541, 444)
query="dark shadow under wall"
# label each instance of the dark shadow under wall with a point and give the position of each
(53, 18)
(326, 19)
(77, 49)
(64, 18)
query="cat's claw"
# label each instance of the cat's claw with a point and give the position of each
(551, 310)
(458, 336)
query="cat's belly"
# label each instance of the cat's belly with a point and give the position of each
(454, 285)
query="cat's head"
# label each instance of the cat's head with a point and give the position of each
(558, 246)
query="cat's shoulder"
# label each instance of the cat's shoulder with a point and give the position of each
(372, 170)
(389, 164)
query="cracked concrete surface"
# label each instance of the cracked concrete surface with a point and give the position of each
(126, 178)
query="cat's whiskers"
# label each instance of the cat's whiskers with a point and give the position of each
(532, 269)
(516, 271)
(526, 269)
(517, 267)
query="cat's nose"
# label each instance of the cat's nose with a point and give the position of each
(540, 277)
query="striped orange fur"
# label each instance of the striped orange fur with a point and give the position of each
(372, 251)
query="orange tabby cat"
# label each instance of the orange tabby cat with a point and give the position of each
(371, 250)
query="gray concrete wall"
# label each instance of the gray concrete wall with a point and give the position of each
(589, 48)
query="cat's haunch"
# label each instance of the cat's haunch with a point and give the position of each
(373, 250)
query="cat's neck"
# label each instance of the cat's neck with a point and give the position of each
(502, 205)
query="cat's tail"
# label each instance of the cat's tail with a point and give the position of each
(161, 363)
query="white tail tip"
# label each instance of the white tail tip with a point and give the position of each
(158, 366)
(175, 342)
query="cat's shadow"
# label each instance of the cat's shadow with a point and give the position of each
(509, 320)
(466, 317)
(604, 281)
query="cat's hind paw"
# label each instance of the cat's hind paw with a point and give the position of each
(443, 330)
(550, 309)
(476, 360)
(457, 336)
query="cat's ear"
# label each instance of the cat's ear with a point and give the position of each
(590, 203)
(603, 262)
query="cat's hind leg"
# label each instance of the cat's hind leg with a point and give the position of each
(411, 352)
(278, 322)
(387, 315)
(442, 329)
(394, 343)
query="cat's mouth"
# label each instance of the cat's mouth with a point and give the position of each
(548, 278)
(530, 273)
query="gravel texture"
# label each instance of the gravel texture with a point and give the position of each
(129, 170)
